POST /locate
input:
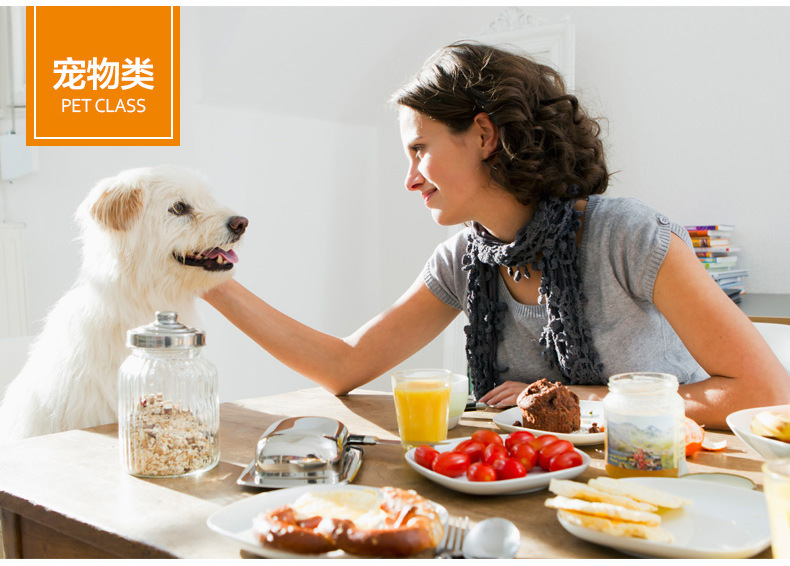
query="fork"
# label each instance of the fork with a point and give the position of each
(453, 538)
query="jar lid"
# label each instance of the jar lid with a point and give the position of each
(643, 383)
(166, 332)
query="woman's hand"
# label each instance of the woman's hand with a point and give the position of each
(503, 395)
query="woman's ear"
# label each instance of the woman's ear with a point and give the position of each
(488, 134)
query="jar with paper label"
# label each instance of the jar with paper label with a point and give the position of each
(645, 425)
(168, 403)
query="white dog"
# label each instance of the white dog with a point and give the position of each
(153, 239)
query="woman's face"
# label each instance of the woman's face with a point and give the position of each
(445, 167)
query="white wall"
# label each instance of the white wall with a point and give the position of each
(283, 108)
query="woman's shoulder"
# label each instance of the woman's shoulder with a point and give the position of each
(607, 209)
(624, 215)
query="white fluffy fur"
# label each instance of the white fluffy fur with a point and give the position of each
(128, 272)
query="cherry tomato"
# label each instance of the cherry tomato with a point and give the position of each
(487, 437)
(550, 450)
(509, 468)
(474, 448)
(493, 452)
(540, 441)
(425, 456)
(451, 464)
(480, 472)
(525, 454)
(565, 460)
(517, 438)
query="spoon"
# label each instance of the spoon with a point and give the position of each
(492, 538)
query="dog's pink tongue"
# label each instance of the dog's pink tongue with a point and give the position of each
(229, 255)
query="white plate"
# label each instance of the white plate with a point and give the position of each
(722, 522)
(591, 412)
(235, 520)
(536, 479)
(740, 423)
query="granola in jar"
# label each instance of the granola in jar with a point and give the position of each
(166, 440)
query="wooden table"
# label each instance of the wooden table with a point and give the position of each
(66, 496)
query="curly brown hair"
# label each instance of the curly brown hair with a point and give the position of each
(548, 145)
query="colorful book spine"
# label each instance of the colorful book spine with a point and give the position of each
(721, 260)
(709, 233)
(733, 285)
(711, 227)
(728, 274)
(718, 266)
(709, 242)
(716, 250)
(703, 255)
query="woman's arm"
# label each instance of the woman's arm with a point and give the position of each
(339, 365)
(744, 370)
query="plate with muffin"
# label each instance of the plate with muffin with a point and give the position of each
(551, 408)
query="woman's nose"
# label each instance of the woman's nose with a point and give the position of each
(414, 179)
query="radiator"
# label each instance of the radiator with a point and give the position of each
(13, 290)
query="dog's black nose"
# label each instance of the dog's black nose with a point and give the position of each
(238, 224)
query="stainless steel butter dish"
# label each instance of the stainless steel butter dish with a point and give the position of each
(301, 451)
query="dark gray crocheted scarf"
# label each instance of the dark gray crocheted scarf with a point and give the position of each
(547, 243)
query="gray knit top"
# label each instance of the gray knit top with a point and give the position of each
(623, 245)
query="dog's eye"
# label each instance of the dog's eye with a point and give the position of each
(179, 209)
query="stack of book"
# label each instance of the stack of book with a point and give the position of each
(715, 251)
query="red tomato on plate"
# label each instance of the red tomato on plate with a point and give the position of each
(471, 447)
(487, 437)
(517, 437)
(494, 452)
(509, 468)
(525, 454)
(425, 456)
(540, 441)
(565, 460)
(550, 450)
(451, 464)
(480, 472)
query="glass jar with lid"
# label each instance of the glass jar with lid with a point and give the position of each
(644, 425)
(168, 403)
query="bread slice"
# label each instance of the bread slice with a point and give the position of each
(606, 510)
(639, 492)
(578, 490)
(617, 528)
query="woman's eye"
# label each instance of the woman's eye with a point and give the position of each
(179, 209)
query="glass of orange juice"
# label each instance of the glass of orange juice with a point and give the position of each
(776, 485)
(422, 402)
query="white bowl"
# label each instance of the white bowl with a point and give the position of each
(458, 397)
(768, 448)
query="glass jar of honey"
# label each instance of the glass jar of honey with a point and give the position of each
(645, 425)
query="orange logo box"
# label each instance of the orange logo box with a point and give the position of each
(103, 75)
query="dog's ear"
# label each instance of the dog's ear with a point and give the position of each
(118, 206)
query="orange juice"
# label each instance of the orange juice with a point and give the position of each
(421, 406)
(776, 480)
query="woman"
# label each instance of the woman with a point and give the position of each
(557, 281)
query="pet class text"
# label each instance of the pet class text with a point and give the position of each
(102, 105)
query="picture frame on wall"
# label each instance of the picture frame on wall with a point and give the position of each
(549, 42)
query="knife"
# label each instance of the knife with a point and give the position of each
(367, 439)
